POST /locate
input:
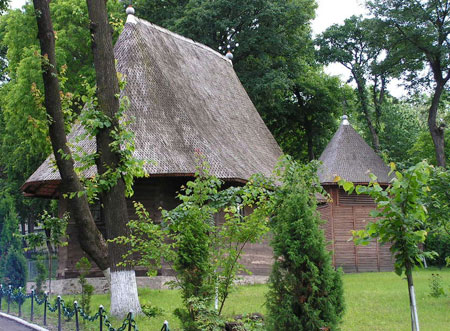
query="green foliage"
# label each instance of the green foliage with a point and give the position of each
(206, 318)
(207, 255)
(418, 36)
(436, 286)
(41, 275)
(402, 124)
(9, 236)
(419, 31)
(422, 148)
(440, 243)
(146, 241)
(273, 57)
(308, 119)
(402, 218)
(305, 292)
(93, 121)
(53, 234)
(151, 311)
(24, 141)
(84, 267)
(15, 269)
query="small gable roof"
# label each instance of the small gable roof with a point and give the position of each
(348, 156)
(186, 99)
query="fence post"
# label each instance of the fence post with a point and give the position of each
(75, 306)
(32, 305)
(45, 308)
(58, 300)
(1, 295)
(19, 301)
(9, 297)
(100, 311)
(130, 318)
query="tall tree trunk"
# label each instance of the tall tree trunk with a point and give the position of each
(378, 99)
(437, 132)
(124, 295)
(91, 240)
(363, 99)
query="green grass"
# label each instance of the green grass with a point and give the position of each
(374, 301)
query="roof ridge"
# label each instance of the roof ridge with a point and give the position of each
(131, 19)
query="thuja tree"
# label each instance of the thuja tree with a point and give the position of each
(401, 220)
(305, 292)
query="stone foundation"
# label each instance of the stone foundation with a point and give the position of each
(72, 286)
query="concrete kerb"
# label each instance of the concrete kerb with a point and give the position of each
(23, 322)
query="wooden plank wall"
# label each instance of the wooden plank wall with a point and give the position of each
(154, 193)
(343, 215)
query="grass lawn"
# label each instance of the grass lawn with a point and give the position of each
(374, 301)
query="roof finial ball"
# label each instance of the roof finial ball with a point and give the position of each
(345, 120)
(130, 10)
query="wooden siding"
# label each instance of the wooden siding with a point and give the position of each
(154, 193)
(340, 217)
(344, 214)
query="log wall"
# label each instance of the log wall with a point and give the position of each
(344, 214)
(153, 193)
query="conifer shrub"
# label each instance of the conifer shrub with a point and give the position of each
(305, 292)
(15, 268)
(84, 267)
(41, 275)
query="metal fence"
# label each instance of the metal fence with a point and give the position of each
(19, 296)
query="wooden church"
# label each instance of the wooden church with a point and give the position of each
(186, 99)
(348, 156)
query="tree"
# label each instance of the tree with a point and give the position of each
(421, 29)
(309, 112)
(402, 221)
(358, 46)
(78, 206)
(203, 251)
(270, 42)
(305, 292)
(24, 140)
(15, 269)
(124, 296)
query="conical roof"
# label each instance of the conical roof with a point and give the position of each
(186, 99)
(348, 156)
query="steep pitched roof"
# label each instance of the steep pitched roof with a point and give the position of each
(186, 98)
(347, 155)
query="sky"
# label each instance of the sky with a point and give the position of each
(329, 12)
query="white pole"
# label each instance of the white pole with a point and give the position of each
(414, 309)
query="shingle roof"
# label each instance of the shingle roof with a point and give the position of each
(185, 98)
(347, 155)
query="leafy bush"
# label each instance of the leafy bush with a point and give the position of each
(305, 292)
(151, 311)
(439, 243)
(15, 272)
(206, 318)
(436, 286)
